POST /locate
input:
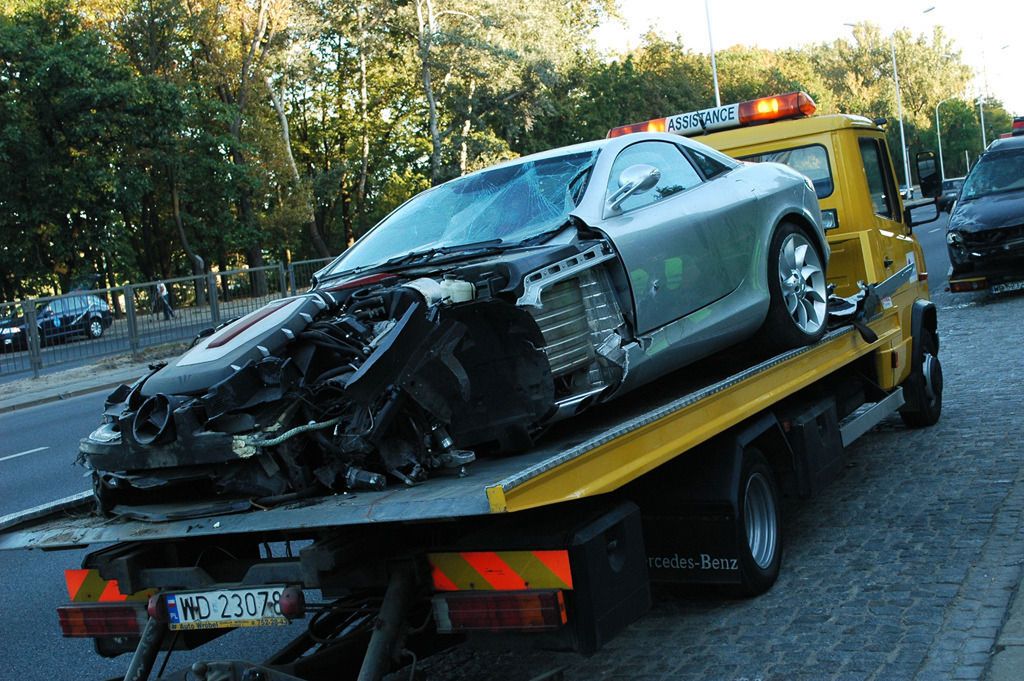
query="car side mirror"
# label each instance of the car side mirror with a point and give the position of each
(635, 179)
(928, 174)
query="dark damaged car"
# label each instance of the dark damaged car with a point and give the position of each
(472, 317)
(985, 235)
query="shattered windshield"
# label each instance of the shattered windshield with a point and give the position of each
(504, 205)
(996, 172)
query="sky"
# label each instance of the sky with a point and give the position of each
(986, 31)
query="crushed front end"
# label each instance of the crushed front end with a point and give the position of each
(356, 385)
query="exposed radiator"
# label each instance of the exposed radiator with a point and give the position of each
(575, 316)
(563, 321)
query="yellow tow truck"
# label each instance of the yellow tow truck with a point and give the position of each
(557, 545)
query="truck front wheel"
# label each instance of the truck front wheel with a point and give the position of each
(759, 525)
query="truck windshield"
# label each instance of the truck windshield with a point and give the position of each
(996, 172)
(504, 205)
(811, 160)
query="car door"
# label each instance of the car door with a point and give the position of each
(78, 309)
(51, 319)
(666, 236)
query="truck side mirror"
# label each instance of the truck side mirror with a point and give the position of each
(928, 174)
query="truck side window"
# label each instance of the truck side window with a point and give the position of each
(880, 182)
(676, 172)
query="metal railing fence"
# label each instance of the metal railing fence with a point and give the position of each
(78, 327)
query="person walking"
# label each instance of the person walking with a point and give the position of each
(164, 300)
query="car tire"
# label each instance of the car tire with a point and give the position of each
(797, 313)
(923, 388)
(94, 329)
(758, 525)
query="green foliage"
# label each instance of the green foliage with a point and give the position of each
(69, 105)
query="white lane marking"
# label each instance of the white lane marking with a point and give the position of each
(937, 229)
(27, 451)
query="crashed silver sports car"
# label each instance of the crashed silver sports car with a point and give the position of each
(471, 317)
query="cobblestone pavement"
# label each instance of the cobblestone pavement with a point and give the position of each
(902, 569)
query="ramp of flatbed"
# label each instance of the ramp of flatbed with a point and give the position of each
(595, 453)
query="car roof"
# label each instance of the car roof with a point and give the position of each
(621, 141)
(1006, 143)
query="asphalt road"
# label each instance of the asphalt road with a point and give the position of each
(932, 237)
(38, 447)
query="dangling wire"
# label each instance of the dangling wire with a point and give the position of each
(167, 655)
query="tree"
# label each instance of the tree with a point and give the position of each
(68, 104)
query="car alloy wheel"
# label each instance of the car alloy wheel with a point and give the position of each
(95, 328)
(802, 281)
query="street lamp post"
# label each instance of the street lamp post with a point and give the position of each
(899, 112)
(899, 106)
(711, 46)
(981, 111)
(938, 134)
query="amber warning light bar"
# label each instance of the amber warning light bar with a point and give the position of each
(763, 110)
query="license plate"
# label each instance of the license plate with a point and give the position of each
(1009, 286)
(225, 608)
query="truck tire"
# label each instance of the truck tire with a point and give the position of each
(797, 313)
(923, 389)
(758, 525)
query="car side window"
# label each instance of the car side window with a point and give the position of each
(880, 181)
(677, 174)
(711, 167)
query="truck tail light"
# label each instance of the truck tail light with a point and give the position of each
(102, 619)
(499, 611)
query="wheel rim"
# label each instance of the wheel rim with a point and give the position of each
(760, 520)
(803, 283)
(95, 328)
(932, 371)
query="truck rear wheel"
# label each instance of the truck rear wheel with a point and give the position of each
(758, 524)
(923, 390)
